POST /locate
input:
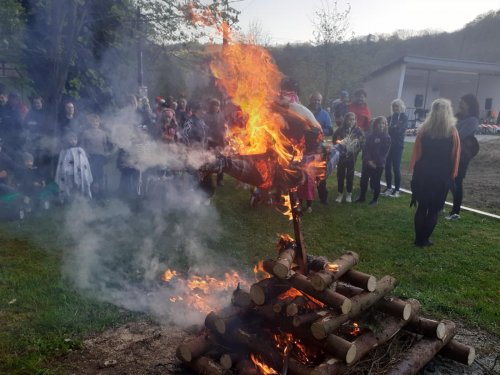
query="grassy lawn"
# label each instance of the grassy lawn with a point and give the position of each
(42, 315)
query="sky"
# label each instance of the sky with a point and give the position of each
(291, 20)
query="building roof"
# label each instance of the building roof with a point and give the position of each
(439, 64)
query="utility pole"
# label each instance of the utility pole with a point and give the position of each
(143, 90)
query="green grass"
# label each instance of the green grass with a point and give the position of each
(456, 278)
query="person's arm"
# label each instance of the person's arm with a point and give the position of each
(455, 153)
(417, 151)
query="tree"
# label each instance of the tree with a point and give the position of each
(331, 28)
(256, 34)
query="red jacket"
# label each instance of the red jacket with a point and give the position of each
(363, 115)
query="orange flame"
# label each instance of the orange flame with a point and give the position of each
(259, 271)
(203, 293)
(290, 293)
(332, 267)
(251, 79)
(169, 275)
(289, 345)
(355, 331)
(262, 367)
(288, 206)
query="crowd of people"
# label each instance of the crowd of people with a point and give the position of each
(74, 151)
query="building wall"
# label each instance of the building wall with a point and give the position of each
(383, 88)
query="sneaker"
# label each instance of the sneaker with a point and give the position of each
(373, 202)
(387, 191)
(348, 197)
(394, 194)
(309, 210)
(339, 198)
(452, 217)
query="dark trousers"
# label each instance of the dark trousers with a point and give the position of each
(425, 221)
(323, 192)
(345, 171)
(373, 175)
(97, 163)
(457, 186)
(393, 164)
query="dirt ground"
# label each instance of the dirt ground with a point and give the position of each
(481, 185)
(141, 348)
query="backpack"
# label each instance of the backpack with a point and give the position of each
(470, 147)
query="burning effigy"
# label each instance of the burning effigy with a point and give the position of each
(306, 315)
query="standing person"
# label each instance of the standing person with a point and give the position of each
(353, 138)
(339, 108)
(96, 144)
(434, 163)
(73, 175)
(467, 126)
(214, 119)
(181, 113)
(398, 122)
(361, 110)
(320, 114)
(10, 124)
(67, 121)
(375, 152)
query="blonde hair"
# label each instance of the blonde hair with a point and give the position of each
(440, 121)
(400, 103)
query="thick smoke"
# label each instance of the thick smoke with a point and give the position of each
(120, 250)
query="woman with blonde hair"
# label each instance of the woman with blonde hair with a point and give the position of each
(434, 163)
(398, 122)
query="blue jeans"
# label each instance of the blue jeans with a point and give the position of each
(393, 163)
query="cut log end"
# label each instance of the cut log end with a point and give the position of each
(346, 306)
(184, 353)
(318, 331)
(371, 284)
(257, 294)
(351, 355)
(441, 331)
(472, 356)
(281, 271)
(407, 312)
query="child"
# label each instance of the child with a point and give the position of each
(29, 181)
(375, 152)
(352, 137)
(96, 144)
(73, 174)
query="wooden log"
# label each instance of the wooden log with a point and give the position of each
(190, 350)
(268, 352)
(284, 263)
(422, 352)
(386, 330)
(334, 270)
(229, 360)
(459, 352)
(281, 304)
(207, 366)
(340, 348)
(348, 290)
(360, 280)
(267, 289)
(331, 366)
(322, 328)
(241, 299)
(303, 319)
(266, 311)
(330, 298)
(246, 367)
(395, 307)
(224, 319)
(427, 327)
(294, 306)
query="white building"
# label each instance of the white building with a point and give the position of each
(420, 80)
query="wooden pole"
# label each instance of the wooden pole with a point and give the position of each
(322, 328)
(422, 352)
(301, 255)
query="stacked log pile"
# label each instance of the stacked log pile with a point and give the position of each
(323, 323)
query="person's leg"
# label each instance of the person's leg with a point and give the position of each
(363, 183)
(430, 223)
(376, 176)
(396, 165)
(458, 187)
(349, 175)
(323, 192)
(388, 171)
(341, 173)
(419, 222)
